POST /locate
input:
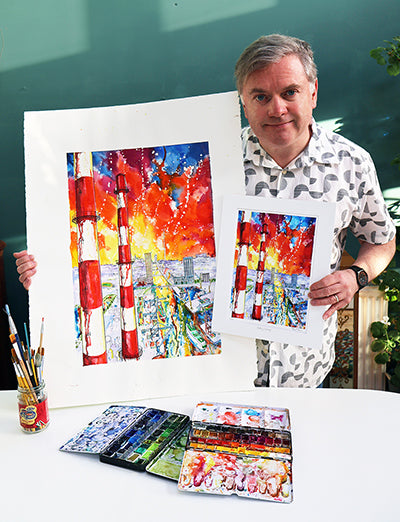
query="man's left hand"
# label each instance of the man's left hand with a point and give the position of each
(336, 289)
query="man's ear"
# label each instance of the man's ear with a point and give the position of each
(243, 105)
(315, 94)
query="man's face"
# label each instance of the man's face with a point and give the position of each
(278, 102)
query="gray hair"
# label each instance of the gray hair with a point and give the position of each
(271, 49)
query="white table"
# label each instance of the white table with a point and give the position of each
(345, 465)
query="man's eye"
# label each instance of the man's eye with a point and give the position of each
(290, 92)
(260, 98)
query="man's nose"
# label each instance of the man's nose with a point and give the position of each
(276, 107)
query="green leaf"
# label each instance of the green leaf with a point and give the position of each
(389, 278)
(382, 358)
(378, 345)
(393, 69)
(378, 329)
(377, 54)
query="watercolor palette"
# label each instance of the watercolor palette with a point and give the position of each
(143, 440)
(239, 450)
(105, 428)
(168, 463)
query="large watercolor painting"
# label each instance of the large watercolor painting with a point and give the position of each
(123, 216)
(143, 252)
(276, 249)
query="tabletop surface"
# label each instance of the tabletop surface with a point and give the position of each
(345, 464)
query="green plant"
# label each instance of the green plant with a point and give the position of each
(387, 345)
(389, 56)
(386, 333)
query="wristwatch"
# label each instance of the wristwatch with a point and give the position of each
(361, 275)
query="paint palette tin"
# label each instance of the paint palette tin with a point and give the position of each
(143, 440)
(239, 450)
(105, 428)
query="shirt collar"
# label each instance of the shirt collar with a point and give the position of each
(319, 150)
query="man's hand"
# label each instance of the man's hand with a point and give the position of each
(336, 289)
(26, 267)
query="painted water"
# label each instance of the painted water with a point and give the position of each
(173, 304)
(284, 299)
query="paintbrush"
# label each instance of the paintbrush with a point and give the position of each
(14, 332)
(26, 380)
(29, 356)
(41, 333)
(39, 363)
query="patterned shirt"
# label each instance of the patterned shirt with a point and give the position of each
(330, 168)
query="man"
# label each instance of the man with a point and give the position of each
(287, 155)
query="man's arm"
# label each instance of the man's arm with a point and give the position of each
(343, 284)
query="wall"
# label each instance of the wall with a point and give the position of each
(84, 53)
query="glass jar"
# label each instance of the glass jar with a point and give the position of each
(33, 408)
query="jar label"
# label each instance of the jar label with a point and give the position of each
(34, 417)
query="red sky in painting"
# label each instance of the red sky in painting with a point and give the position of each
(170, 209)
(289, 250)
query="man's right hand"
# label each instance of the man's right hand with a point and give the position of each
(26, 267)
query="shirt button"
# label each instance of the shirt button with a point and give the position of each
(284, 171)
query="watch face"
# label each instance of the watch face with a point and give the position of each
(362, 278)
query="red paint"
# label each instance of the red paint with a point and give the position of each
(94, 359)
(121, 183)
(229, 417)
(244, 233)
(241, 277)
(129, 341)
(124, 254)
(259, 287)
(90, 285)
(85, 201)
(127, 297)
(257, 309)
(122, 217)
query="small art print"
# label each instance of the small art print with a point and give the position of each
(143, 252)
(275, 249)
(272, 268)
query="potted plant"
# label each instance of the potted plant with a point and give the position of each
(386, 333)
(386, 344)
